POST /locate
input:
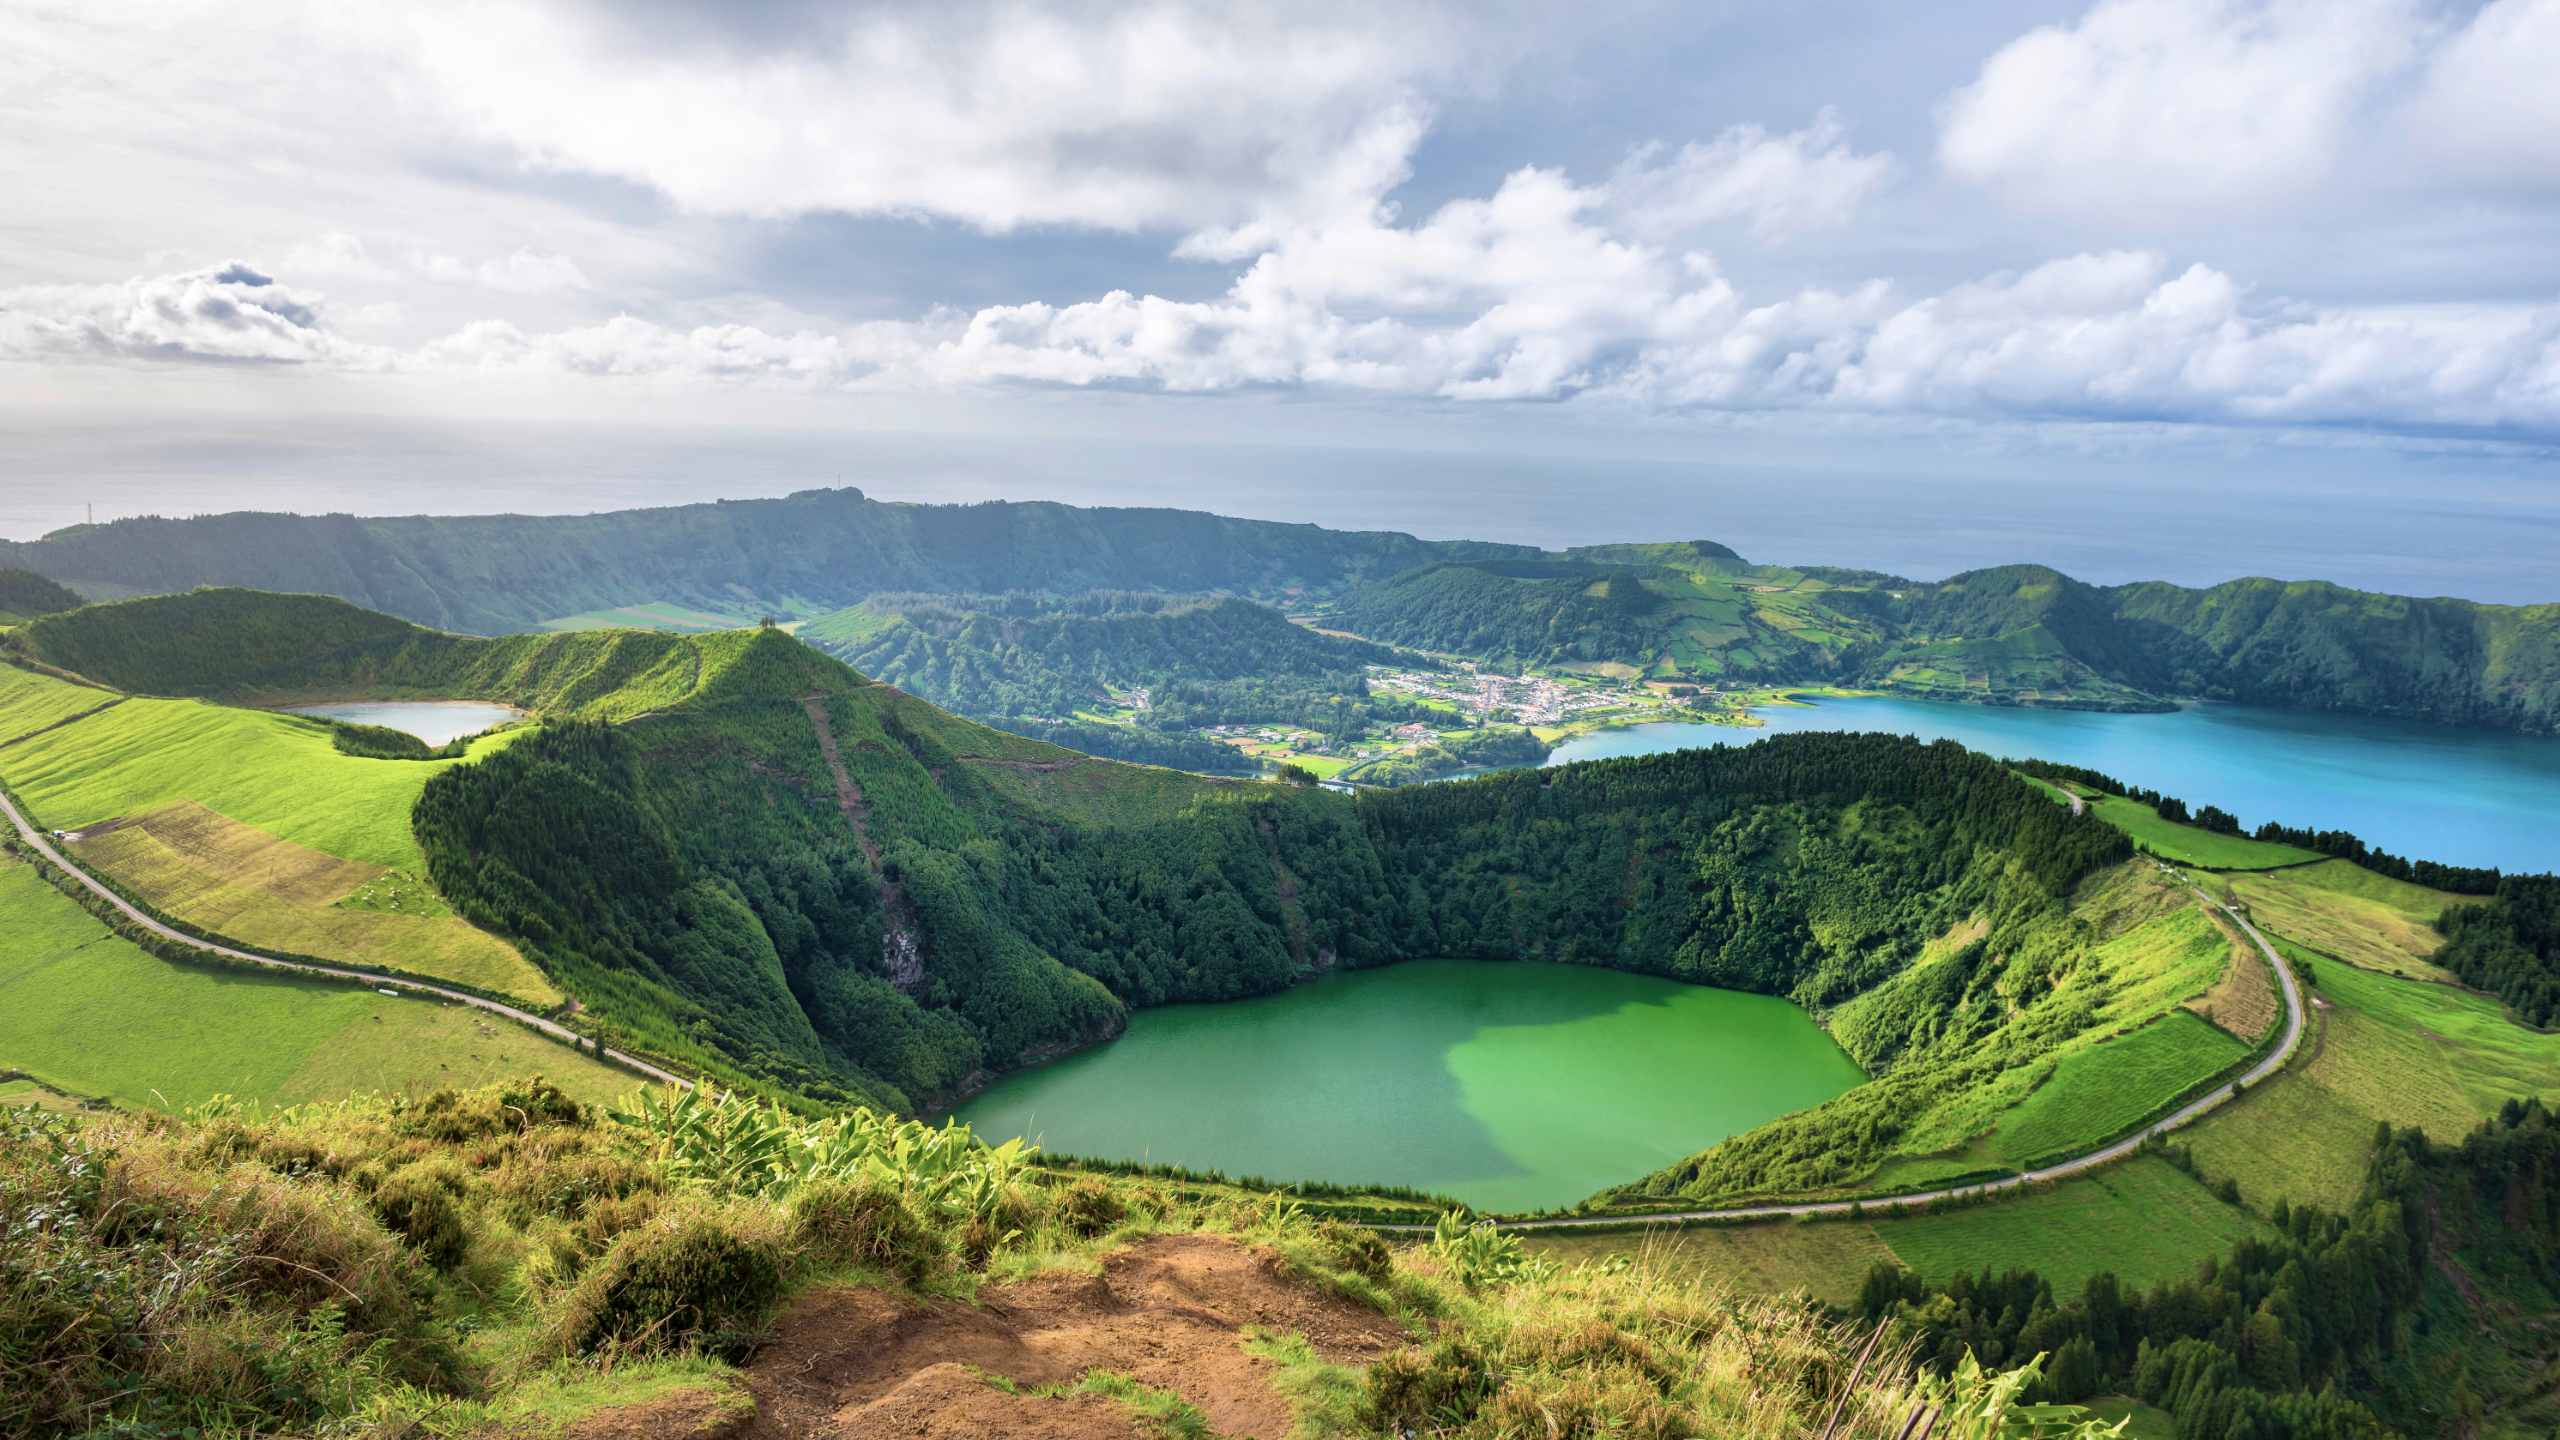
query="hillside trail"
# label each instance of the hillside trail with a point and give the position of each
(1171, 1312)
(35, 839)
(901, 940)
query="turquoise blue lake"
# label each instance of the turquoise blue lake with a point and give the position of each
(2461, 796)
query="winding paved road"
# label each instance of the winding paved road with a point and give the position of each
(43, 845)
(2185, 1115)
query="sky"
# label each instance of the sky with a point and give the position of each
(2181, 287)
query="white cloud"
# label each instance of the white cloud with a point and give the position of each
(228, 312)
(1780, 184)
(1166, 115)
(2151, 104)
(2489, 108)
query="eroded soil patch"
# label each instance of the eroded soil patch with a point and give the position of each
(1170, 1312)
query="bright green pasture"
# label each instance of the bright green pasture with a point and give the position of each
(29, 701)
(277, 772)
(2189, 845)
(2103, 1091)
(89, 1012)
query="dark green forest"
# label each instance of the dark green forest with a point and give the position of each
(24, 595)
(1029, 662)
(2391, 1318)
(2510, 946)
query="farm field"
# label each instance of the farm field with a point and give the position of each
(2388, 1049)
(242, 883)
(2347, 911)
(2105, 1090)
(253, 825)
(30, 702)
(88, 1011)
(2142, 1218)
(2190, 845)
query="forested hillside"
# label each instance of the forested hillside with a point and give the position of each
(1202, 659)
(811, 552)
(1694, 610)
(2020, 634)
(2395, 1316)
(25, 595)
(800, 876)
(771, 867)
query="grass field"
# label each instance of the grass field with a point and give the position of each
(29, 701)
(28, 1095)
(1827, 1261)
(253, 825)
(236, 881)
(2161, 963)
(2405, 1051)
(85, 1010)
(2143, 1218)
(2188, 845)
(2141, 1422)
(2104, 1090)
(2348, 911)
(279, 773)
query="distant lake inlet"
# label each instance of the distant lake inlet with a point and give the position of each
(2465, 797)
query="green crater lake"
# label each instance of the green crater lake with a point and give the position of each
(1508, 1086)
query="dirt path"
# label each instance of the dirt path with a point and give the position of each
(36, 840)
(848, 795)
(1170, 1311)
(901, 951)
(2184, 1116)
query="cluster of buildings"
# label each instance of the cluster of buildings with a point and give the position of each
(1521, 699)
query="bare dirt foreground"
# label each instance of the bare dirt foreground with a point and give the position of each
(1170, 1311)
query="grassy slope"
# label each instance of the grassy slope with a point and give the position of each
(2189, 845)
(2143, 1219)
(2109, 1088)
(238, 881)
(279, 773)
(2341, 909)
(86, 1010)
(2158, 953)
(2389, 1049)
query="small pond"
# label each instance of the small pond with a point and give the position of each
(434, 721)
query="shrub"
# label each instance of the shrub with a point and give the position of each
(693, 1278)
(456, 1116)
(1090, 1206)
(852, 1222)
(1353, 1249)
(1427, 1390)
(421, 1202)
